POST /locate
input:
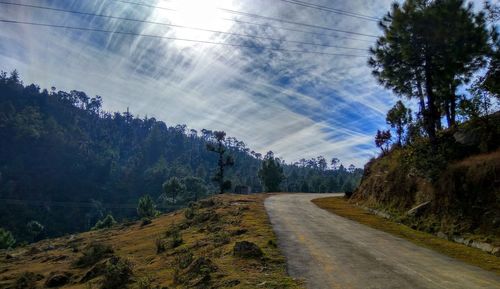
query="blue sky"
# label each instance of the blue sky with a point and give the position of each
(297, 104)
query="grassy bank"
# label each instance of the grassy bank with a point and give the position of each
(191, 248)
(342, 207)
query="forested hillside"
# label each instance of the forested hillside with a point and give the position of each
(65, 163)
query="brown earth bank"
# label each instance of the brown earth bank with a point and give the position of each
(222, 242)
(461, 204)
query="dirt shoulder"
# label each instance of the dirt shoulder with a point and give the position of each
(343, 208)
(191, 248)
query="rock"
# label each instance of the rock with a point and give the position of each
(496, 251)
(57, 279)
(467, 137)
(442, 235)
(239, 232)
(206, 203)
(200, 266)
(482, 246)
(33, 251)
(50, 247)
(96, 270)
(418, 209)
(198, 273)
(230, 283)
(247, 249)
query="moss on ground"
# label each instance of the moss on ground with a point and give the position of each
(343, 208)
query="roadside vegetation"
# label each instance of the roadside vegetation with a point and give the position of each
(342, 207)
(220, 242)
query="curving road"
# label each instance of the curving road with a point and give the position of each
(329, 252)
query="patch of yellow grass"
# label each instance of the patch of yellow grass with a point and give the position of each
(137, 244)
(343, 208)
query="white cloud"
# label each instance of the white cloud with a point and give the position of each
(296, 104)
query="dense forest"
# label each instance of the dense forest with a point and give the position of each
(65, 163)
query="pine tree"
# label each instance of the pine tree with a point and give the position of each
(271, 173)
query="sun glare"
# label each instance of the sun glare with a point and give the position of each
(202, 14)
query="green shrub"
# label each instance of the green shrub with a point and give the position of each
(105, 223)
(94, 253)
(27, 280)
(117, 274)
(144, 283)
(145, 222)
(189, 213)
(160, 245)
(221, 238)
(146, 207)
(6, 239)
(175, 239)
(35, 229)
(183, 258)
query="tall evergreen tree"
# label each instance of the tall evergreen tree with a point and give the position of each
(224, 160)
(398, 117)
(428, 49)
(174, 188)
(146, 207)
(271, 173)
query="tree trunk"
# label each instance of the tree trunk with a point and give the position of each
(453, 110)
(420, 95)
(430, 117)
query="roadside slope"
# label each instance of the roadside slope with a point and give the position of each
(196, 252)
(332, 252)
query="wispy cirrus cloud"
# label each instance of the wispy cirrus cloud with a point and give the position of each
(299, 105)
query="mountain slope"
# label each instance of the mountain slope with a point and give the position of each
(66, 163)
(202, 256)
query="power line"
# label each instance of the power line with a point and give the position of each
(324, 8)
(298, 30)
(251, 23)
(175, 38)
(174, 25)
(294, 23)
(241, 13)
(333, 10)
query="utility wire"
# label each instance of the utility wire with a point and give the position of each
(323, 8)
(294, 23)
(251, 23)
(175, 38)
(241, 13)
(297, 30)
(333, 10)
(174, 25)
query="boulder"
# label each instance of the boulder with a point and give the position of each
(247, 249)
(57, 279)
(96, 270)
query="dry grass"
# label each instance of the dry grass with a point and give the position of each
(342, 207)
(233, 218)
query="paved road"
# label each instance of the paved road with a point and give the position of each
(332, 252)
